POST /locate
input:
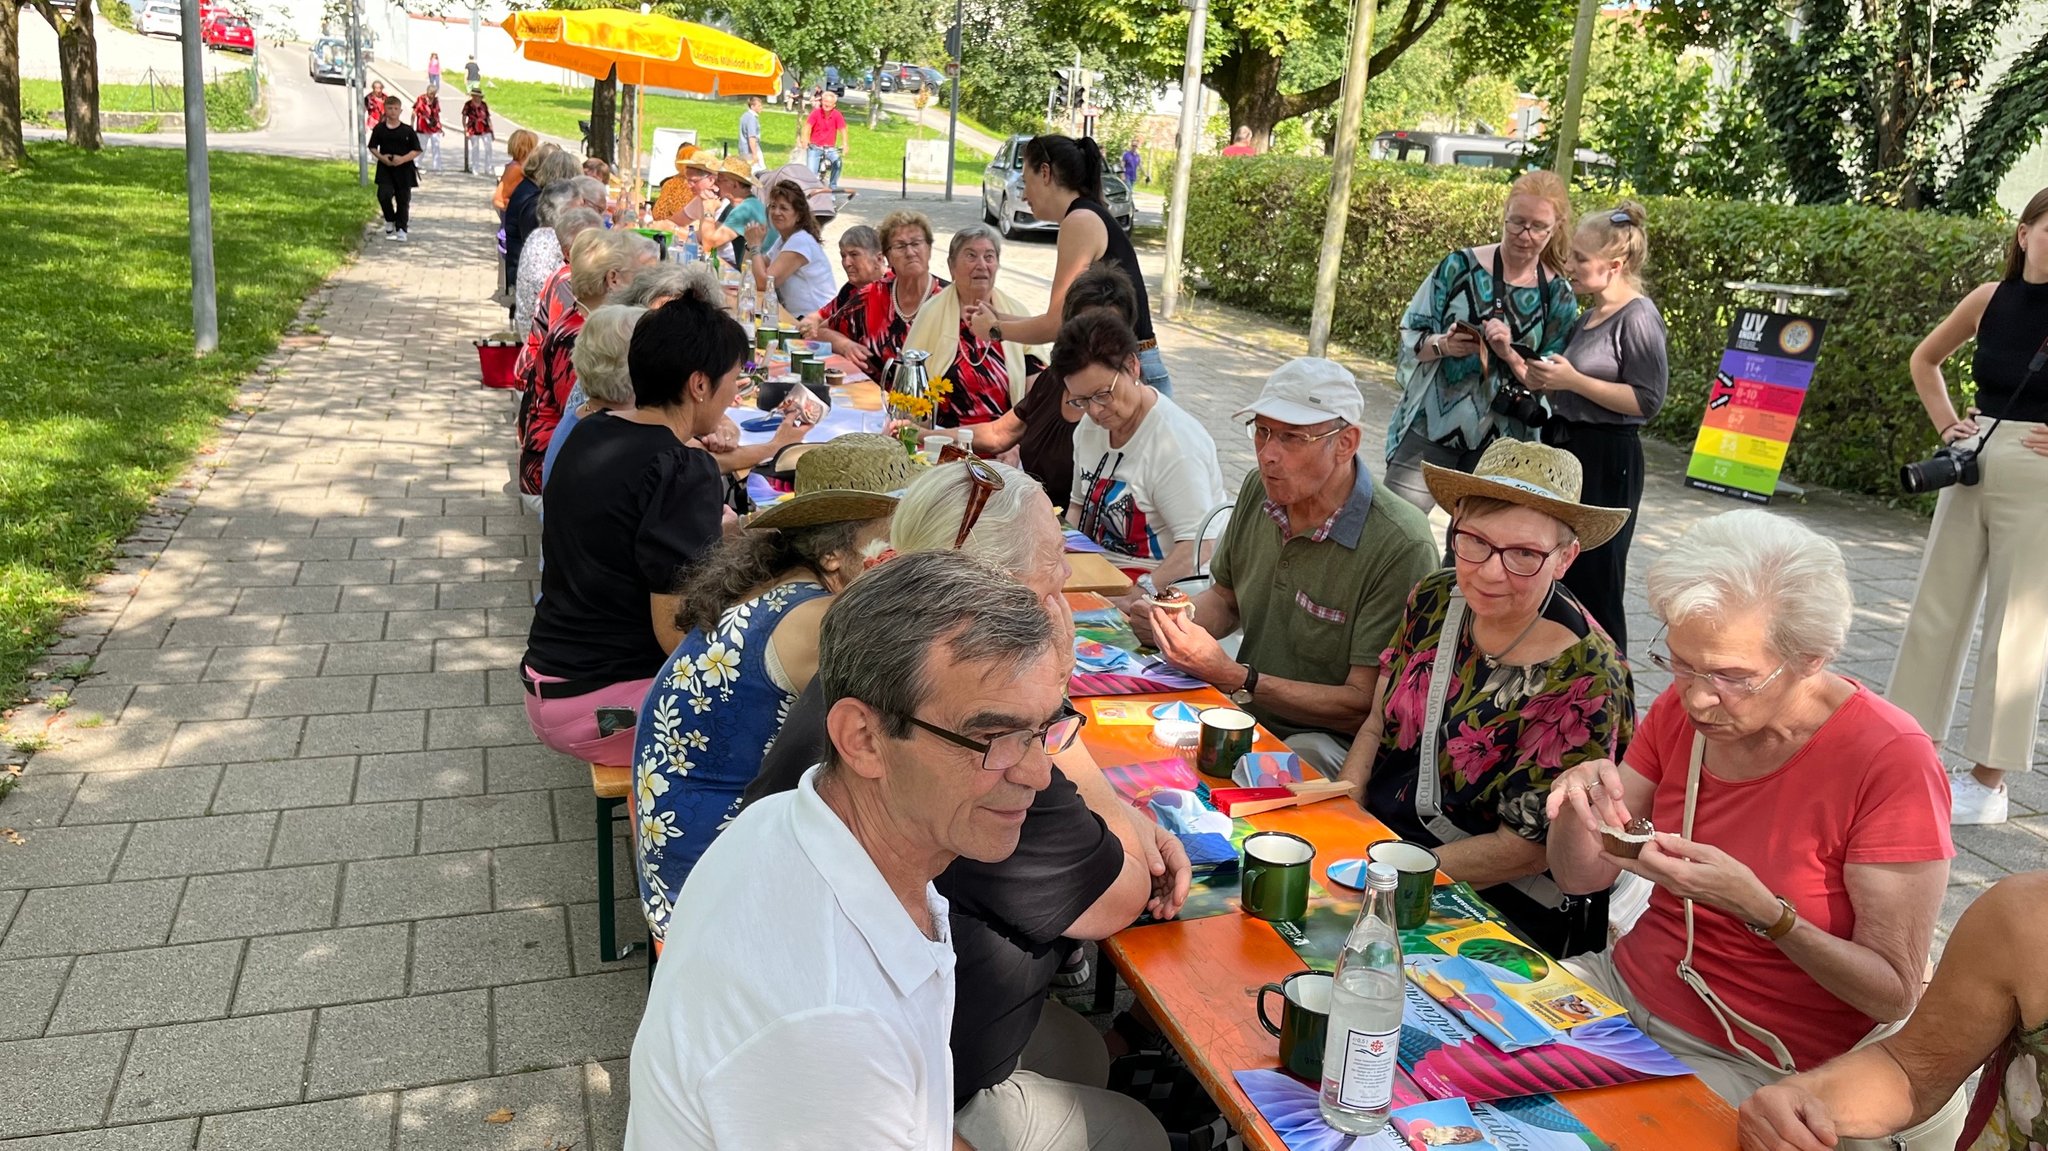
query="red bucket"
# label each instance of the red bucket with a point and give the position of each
(495, 359)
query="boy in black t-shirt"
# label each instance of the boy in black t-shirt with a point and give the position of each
(396, 146)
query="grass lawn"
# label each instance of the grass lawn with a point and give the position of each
(104, 401)
(227, 102)
(870, 155)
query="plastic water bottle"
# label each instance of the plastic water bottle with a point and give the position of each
(747, 303)
(1365, 1014)
(771, 308)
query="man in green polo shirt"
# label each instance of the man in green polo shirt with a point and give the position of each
(1312, 567)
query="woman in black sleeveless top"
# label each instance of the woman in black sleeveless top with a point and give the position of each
(1063, 181)
(1989, 539)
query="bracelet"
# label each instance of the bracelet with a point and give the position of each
(1786, 921)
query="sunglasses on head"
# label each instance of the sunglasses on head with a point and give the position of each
(983, 481)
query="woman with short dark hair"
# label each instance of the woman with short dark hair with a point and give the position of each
(631, 505)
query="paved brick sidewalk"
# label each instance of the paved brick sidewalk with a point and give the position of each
(310, 883)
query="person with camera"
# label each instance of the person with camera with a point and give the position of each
(1989, 541)
(1467, 332)
(1608, 382)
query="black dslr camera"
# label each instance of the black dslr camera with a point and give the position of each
(1951, 464)
(1518, 403)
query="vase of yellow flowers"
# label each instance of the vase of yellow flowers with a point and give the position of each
(912, 395)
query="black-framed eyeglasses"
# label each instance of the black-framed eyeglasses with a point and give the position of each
(1528, 227)
(1098, 400)
(1476, 550)
(902, 246)
(1008, 749)
(1722, 685)
(1262, 435)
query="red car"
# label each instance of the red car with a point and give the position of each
(221, 29)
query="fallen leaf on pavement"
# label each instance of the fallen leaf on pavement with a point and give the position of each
(12, 836)
(501, 1115)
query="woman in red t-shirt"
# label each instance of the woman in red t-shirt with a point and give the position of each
(1805, 878)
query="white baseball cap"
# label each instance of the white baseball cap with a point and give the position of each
(1309, 390)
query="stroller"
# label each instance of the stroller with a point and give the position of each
(825, 203)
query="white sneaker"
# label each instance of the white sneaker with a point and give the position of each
(1972, 803)
(401, 235)
(389, 231)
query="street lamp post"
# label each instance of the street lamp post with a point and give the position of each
(1184, 156)
(355, 52)
(199, 187)
(958, 37)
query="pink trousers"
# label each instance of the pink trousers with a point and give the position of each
(570, 725)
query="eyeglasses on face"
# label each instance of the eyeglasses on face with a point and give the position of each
(1007, 750)
(1097, 400)
(1476, 550)
(1722, 686)
(983, 481)
(1289, 438)
(904, 247)
(1522, 227)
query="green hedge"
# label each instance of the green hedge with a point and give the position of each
(1255, 228)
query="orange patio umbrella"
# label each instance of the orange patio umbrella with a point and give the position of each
(646, 49)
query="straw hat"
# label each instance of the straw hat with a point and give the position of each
(701, 160)
(738, 169)
(854, 477)
(1534, 476)
(684, 151)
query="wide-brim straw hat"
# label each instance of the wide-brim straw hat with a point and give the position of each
(853, 478)
(1535, 476)
(738, 169)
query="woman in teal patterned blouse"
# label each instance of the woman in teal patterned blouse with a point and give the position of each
(1987, 1007)
(1518, 293)
(1531, 686)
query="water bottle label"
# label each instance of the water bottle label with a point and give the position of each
(1368, 1076)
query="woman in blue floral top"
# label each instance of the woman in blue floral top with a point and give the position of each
(753, 609)
(1531, 687)
(1516, 293)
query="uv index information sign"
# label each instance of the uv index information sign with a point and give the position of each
(1753, 406)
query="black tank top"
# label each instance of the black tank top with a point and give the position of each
(1124, 256)
(2014, 324)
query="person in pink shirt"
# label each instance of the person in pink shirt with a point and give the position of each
(1798, 838)
(827, 136)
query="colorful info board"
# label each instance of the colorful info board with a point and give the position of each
(1754, 405)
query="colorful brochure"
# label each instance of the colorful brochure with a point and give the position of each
(1556, 997)
(1291, 1108)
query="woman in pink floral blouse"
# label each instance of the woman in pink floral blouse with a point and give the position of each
(1532, 686)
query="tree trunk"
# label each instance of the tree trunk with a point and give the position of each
(604, 118)
(13, 155)
(629, 134)
(78, 61)
(1249, 81)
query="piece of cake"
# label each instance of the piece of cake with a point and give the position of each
(1172, 599)
(1627, 841)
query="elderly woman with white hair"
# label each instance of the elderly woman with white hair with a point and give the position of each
(567, 209)
(987, 374)
(600, 263)
(1795, 824)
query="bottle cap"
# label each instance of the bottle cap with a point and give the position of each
(1382, 876)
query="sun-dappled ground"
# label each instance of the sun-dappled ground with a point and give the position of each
(104, 401)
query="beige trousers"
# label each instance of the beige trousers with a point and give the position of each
(1988, 547)
(1734, 1078)
(1056, 1099)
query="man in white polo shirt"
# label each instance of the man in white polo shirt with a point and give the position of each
(805, 995)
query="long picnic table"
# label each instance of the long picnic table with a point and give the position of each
(1200, 979)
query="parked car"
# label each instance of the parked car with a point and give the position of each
(229, 31)
(911, 78)
(327, 61)
(160, 18)
(1474, 151)
(1002, 194)
(833, 82)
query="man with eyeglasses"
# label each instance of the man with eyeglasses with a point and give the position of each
(806, 998)
(1315, 567)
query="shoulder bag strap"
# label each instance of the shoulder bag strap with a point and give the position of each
(1690, 976)
(1428, 804)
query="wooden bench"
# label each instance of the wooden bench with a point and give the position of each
(612, 787)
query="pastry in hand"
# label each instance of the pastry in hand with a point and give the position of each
(1172, 599)
(1627, 841)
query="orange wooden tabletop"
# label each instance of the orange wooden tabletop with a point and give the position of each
(1200, 981)
(1094, 572)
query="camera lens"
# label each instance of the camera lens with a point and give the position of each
(1930, 474)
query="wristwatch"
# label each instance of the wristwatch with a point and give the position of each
(995, 332)
(1784, 925)
(1243, 695)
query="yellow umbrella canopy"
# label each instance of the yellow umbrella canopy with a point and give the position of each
(647, 49)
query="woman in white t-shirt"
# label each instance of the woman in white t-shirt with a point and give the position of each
(1145, 473)
(796, 262)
